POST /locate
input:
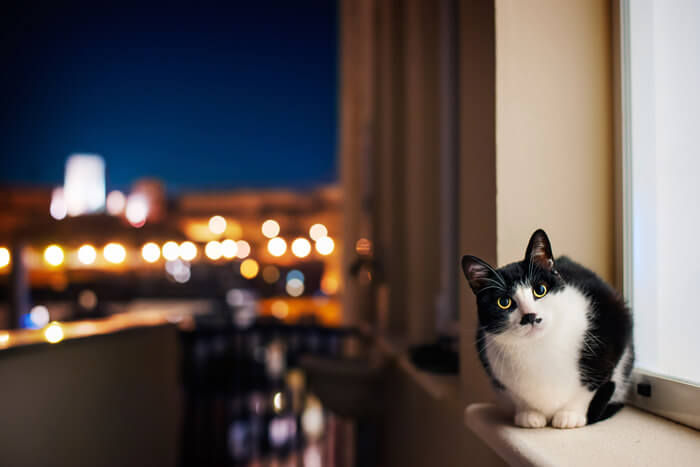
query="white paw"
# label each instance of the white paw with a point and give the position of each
(567, 419)
(530, 419)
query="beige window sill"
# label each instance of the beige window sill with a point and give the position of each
(631, 437)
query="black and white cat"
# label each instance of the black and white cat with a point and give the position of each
(552, 336)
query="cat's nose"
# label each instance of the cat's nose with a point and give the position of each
(530, 318)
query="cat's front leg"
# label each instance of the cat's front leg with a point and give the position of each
(528, 418)
(573, 414)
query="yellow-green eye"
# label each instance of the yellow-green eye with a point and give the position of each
(539, 291)
(503, 303)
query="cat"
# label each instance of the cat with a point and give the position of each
(552, 336)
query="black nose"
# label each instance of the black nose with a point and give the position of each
(529, 318)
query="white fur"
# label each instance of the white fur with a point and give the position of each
(539, 364)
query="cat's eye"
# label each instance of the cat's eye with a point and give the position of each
(504, 303)
(539, 291)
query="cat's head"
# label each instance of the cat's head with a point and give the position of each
(516, 301)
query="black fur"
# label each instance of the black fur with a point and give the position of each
(610, 321)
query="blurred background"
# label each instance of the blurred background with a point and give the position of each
(230, 232)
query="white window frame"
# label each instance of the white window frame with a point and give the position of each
(669, 397)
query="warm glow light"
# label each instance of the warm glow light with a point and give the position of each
(270, 228)
(188, 251)
(151, 252)
(114, 253)
(277, 246)
(53, 333)
(87, 254)
(249, 268)
(213, 250)
(301, 247)
(171, 251)
(87, 299)
(39, 316)
(329, 285)
(277, 402)
(137, 209)
(325, 245)
(318, 231)
(271, 274)
(363, 246)
(53, 255)
(115, 203)
(217, 225)
(229, 248)
(294, 287)
(4, 257)
(279, 309)
(243, 249)
(4, 338)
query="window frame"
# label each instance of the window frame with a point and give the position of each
(666, 396)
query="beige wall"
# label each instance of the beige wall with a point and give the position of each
(554, 129)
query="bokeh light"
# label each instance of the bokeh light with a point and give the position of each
(325, 245)
(87, 299)
(243, 249)
(39, 316)
(54, 333)
(87, 254)
(53, 255)
(4, 338)
(213, 250)
(115, 203)
(137, 209)
(277, 246)
(171, 251)
(114, 252)
(150, 252)
(294, 287)
(329, 285)
(188, 250)
(295, 274)
(301, 247)
(271, 274)
(229, 248)
(217, 225)
(4, 257)
(317, 231)
(249, 268)
(57, 208)
(270, 228)
(279, 309)
(363, 246)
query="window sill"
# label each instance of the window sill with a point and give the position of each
(631, 437)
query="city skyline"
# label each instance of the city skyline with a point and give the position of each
(201, 98)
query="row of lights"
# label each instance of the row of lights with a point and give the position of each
(300, 247)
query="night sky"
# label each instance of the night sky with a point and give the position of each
(203, 97)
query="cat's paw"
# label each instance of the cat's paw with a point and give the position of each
(568, 419)
(530, 419)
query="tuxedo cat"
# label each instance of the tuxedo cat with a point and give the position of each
(552, 336)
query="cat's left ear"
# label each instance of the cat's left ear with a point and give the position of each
(539, 250)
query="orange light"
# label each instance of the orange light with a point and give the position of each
(249, 268)
(114, 253)
(4, 257)
(53, 255)
(87, 254)
(301, 247)
(188, 251)
(277, 246)
(213, 250)
(325, 245)
(150, 252)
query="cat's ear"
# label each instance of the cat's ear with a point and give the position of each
(539, 251)
(478, 272)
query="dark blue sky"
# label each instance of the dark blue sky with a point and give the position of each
(201, 96)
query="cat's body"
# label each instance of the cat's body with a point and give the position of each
(562, 348)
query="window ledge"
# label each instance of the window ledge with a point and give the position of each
(631, 437)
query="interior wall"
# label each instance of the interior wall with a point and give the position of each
(554, 131)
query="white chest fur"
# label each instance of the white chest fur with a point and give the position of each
(541, 371)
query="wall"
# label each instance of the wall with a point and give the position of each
(108, 400)
(554, 130)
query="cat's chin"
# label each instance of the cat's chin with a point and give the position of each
(531, 332)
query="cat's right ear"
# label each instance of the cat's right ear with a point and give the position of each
(478, 272)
